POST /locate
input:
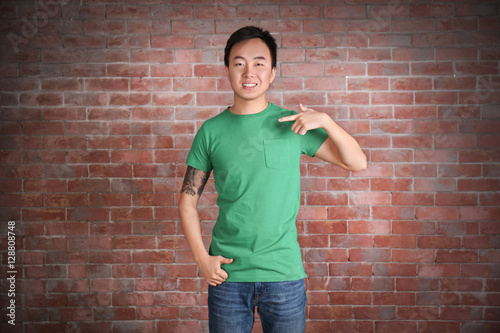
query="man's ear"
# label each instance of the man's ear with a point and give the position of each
(227, 71)
(273, 74)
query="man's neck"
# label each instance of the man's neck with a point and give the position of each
(242, 107)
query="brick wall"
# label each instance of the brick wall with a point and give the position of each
(100, 100)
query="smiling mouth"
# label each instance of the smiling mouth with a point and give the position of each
(249, 85)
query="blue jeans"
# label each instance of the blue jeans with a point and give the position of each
(281, 306)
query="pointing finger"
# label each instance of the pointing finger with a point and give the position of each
(289, 118)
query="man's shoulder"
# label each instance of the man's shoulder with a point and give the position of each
(281, 110)
(215, 120)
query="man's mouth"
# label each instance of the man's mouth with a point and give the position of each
(249, 85)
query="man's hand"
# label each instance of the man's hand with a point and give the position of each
(307, 119)
(211, 270)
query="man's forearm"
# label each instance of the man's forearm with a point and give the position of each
(191, 226)
(348, 148)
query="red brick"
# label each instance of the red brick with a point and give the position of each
(176, 270)
(476, 68)
(369, 26)
(445, 256)
(86, 41)
(367, 84)
(127, 70)
(171, 12)
(127, 12)
(431, 10)
(347, 326)
(396, 127)
(108, 142)
(306, 98)
(439, 156)
(439, 270)
(390, 184)
(325, 312)
(407, 199)
(435, 184)
(392, 213)
(455, 141)
(44, 185)
(373, 283)
(312, 69)
(455, 53)
(392, 98)
(345, 11)
(378, 312)
(347, 212)
(325, 255)
(388, 69)
(20, 84)
(131, 214)
(98, 27)
(132, 156)
(326, 198)
(369, 255)
(482, 9)
(173, 41)
(432, 68)
(350, 298)
(412, 25)
(301, 40)
(412, 83)
(152, 313)
(456, 199)
(32, 99)
(324, 83)
(439, 242)
(351, 269)
(416, 170)
(85, 99)
(351, 241)
(345, 69)
(480, 242)
(366, 198)
(433, 39)
(414, 112)
(154, 170)
(323, 54)
(106, 84)
(436, 126)
(395, 241)
(104, 56)
(456, 228)
(417, 256)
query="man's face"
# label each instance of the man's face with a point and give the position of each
(250, 70)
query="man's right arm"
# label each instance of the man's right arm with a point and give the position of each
(192, 188)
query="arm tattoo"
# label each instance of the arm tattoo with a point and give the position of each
(194, 181)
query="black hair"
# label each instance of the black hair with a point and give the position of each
(247, 33)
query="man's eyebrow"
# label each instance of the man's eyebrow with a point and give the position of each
(255, 58)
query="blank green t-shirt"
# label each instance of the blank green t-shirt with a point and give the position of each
(255, 162)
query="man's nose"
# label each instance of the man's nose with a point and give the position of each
(248, 71)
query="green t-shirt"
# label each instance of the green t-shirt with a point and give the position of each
(256, 166)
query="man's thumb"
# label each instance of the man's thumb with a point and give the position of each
(226, 260)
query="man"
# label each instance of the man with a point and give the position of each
(254, 149)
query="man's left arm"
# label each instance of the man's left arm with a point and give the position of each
(340, 149)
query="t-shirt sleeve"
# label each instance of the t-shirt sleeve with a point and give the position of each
(312, 140)
(199, 155)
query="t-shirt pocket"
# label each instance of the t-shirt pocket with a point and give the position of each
(276, 152)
